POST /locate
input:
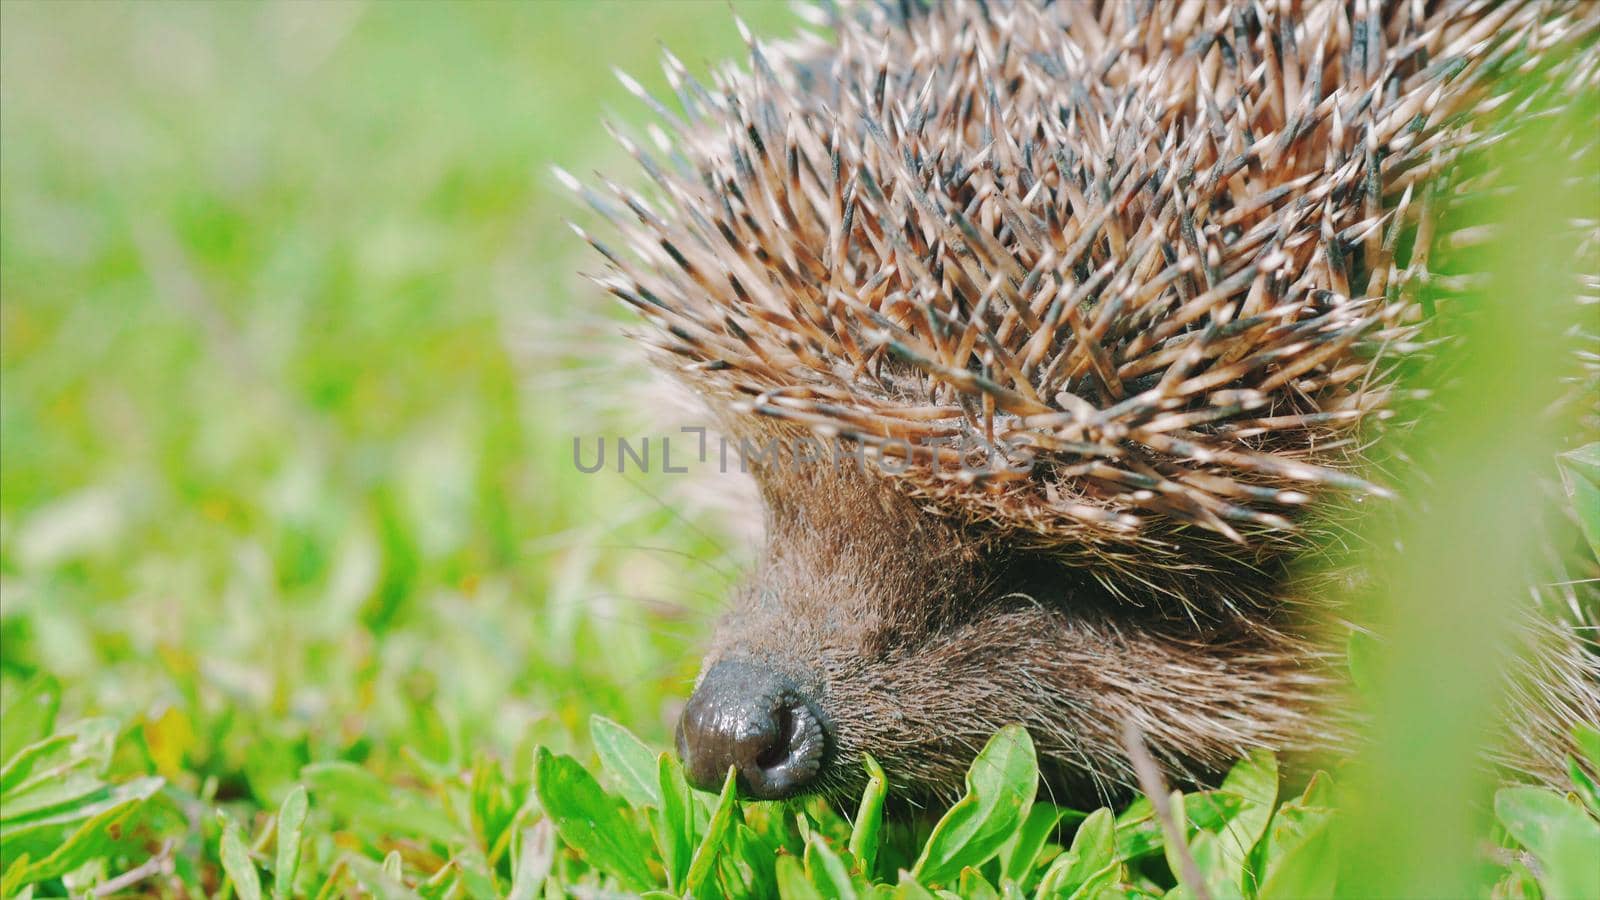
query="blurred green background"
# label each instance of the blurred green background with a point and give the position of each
(292, 352)
(294, 349)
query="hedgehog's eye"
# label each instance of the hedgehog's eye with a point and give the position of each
(879, 641)
(1045, 582)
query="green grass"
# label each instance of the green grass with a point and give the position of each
(300, 590)
(431, 829)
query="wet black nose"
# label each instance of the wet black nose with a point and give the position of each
(756, 720)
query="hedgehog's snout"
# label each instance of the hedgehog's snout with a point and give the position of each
(750, 717)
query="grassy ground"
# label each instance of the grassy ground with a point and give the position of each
(288, 381)
(285, 477)
(282, 288)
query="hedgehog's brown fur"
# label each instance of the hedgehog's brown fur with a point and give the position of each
(1151, 250)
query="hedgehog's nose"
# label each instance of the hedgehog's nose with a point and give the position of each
(749, 717)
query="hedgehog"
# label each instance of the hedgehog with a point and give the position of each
(1055, 338)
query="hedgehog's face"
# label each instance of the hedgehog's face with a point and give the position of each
(876, 625)
(870, 626)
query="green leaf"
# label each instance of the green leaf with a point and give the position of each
(56, 775)
(792, 881)
(291, 818)
(1560, 835)
(1318, 792)
(475, 876)
(494, 806)
(12, 879)
(1254, 781)
(630, 763)
(368, 802)
(754, 860)
(106, 831)
(30, 715)
(535, 853)
(1000, 789)
(19, 769)
(43, 802)
(1204, 848)
(973, 886)
(1093, 850)
(716, 834)
(1211, 858)
(1300, 854)
(1362, 656)
(869, 817)
(1518, 884)
(1019, 853)
(1580, 475)
(910, 888)
(674, 820)
(236, 862)
(1100, 883)
(1587, 737)
(1094, 844)
(378, 882)
(588, 820)
(1139, 831)
(827, 871)
(825, 818)
(1584, 786)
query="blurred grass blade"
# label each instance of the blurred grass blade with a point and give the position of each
(631, 764)
(494, 805)
(14, 876)
(355, 794)
(107, 828)
(30, 716)
(236, 862)
(57, 773)
(44, 756)
(534, 858)
(376, 880)
(291, 818)
(1453, 573)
